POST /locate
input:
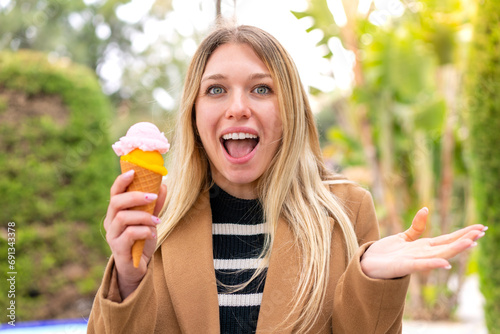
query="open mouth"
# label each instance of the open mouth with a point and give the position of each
(239, 144)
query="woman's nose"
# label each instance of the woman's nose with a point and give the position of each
(238, 106)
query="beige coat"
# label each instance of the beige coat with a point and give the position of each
(179, 292)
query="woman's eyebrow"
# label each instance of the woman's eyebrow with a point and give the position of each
(214, 77)
(260, 76)
(253, 76)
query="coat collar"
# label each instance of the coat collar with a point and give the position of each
(190, 276)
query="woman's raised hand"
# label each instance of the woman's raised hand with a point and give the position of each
(123, 227)
(404, 253)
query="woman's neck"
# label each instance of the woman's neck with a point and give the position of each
(243, 191)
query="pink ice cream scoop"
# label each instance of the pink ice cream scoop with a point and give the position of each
(144, 136)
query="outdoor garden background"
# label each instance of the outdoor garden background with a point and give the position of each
(406, 95)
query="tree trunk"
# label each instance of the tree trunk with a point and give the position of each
(381, 194)
(218, 10)
(448, 83)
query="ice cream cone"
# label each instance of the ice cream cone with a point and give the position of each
(144, 180)
(141, 149)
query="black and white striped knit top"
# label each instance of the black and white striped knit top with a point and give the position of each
(238, 233)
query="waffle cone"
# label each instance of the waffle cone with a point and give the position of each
(145, 181)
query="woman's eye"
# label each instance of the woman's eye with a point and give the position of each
(262, 90)
(215, 90)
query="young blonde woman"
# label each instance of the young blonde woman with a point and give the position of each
(256, 235)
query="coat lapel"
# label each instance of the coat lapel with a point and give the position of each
(281, 283)
(189, 270)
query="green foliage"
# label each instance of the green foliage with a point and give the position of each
(404, 108)
(93, 34)
(440, 22)
(484, 117)
(398, 62)
(473, 265)
(324, 120)
(323, 19)
(46, 26)
(58, 167)
(432, 294)
(347, 149)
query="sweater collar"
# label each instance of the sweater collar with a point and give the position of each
(225, 204)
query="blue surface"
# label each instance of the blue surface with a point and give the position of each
(67, 326)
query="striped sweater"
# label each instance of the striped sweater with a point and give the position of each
(238, 233)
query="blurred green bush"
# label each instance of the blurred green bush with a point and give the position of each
(484, 117)
(56, 167)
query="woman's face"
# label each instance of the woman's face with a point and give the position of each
(238, 118)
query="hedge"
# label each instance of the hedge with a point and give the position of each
(484, 117)
(56, 167)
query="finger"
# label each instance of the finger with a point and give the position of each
(119, 186)
(449, 238)
(122, 182)
(411, 266)
(150, 246)
(393, 268)
(127, 218)
(131, 199)
(162, 195)
(126, 201)
(448, 251)
(122, 246)
(417, 226)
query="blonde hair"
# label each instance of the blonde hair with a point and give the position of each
(294, 186)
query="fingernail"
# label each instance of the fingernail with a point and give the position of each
(480, 235)
(150, 197)
(448, 267)
(153, 234)
(425, 209)
(155, 219)
(485, 229)
(129, 174)
(472, 245)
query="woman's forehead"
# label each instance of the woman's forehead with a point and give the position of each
(231, 57)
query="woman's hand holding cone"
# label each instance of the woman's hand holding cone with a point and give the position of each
(124, 227)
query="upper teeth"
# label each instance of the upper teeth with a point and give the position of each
(238, 135)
